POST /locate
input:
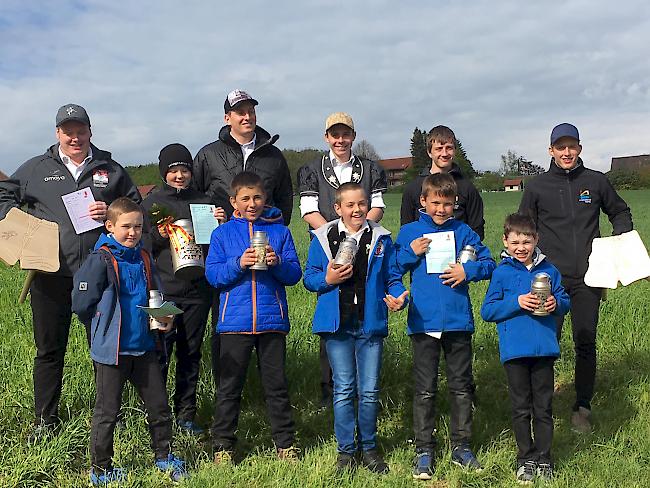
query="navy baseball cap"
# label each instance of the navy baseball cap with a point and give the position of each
(564, 130)
(72, 112)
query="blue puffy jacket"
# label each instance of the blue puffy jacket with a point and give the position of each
(108, 305)
(436, 307)
(381, 279)
(522, 334)
(250, 301)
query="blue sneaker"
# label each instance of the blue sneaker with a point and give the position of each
(189, 427)
(423, 465)
(464, 457)
(103, 477)
(174, 466)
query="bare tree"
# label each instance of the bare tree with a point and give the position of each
(366, 150)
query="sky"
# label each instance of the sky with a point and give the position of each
(500, 74)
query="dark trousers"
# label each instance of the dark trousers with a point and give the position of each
(51, 303)
(457, 347)
(144, 373)
(326, 381)
(188, 332)
(215, 342)
(585, 302)
(530, 385)
(236, 352)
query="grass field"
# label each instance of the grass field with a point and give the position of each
(616, 454)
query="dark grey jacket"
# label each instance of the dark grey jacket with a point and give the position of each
(216, 164)
(39, 184)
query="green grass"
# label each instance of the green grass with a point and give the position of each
(617, 454)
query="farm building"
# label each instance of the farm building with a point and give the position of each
(145, 190)
(514, 184)
(395, 169)
(631, 163)
(3, 176)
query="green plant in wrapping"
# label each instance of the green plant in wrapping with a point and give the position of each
(160, 215)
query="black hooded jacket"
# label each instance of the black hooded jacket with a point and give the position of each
(177, 202)
(468, 208)
(216, 164)
(566, 207)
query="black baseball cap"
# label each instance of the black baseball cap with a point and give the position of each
(72, 112)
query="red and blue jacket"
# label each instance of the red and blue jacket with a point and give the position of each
(250, 301)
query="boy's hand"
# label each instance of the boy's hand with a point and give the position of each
(271, 257)
(248, 259)
(420, 245)
(168, 321)
(454, 275)
(395, 304)
(529, 302)
(162, 230)
(220, 214)
(550, 304)
(338, 275)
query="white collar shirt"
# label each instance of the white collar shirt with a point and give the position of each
(74, 168)
(247, 149)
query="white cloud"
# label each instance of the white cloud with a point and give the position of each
(501, 74)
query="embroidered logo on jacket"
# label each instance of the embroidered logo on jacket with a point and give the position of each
(100, 178)
(54, 176)
(379, 250)
(585, 197)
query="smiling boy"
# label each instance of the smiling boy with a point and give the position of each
(528, 343)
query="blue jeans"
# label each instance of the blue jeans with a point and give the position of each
(356, 361)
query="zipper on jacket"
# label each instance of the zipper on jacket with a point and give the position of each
(573, 221)
(225, 304)
(277, 296)
(253, 286)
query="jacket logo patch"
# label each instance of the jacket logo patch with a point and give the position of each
(456, 204)
(54, 176)
(100, 178)
(83, 286)
(585, 197)
(379, 250)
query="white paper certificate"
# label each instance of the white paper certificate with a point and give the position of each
(76, 204)
(441, 251)
(203, 222)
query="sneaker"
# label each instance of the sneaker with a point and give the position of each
(189, 427)
(344, 462)
(581, 421)
(223, 456)
(545, 471)
(174, 466)
(464, 457)
(372, 460)
(288, 453)
(102, 477)
(526, 473)
(423, 466)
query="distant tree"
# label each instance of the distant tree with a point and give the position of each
(419, 154)
(513, 164)
(489, 181)
(366, 150)
(461, 159)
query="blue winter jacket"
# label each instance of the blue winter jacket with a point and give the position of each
(522, 334)
(436, 307)
(109, 308)
(381, 279)
(250, 301)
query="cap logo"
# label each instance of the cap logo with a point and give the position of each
(236, 96)
(70, 110)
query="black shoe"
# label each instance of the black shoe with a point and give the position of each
(326, 399)
(372, 460)
(345, 462)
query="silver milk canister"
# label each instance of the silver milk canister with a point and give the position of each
(541, 287)
(468, 253)
(187, 260)
(259, 241)
(347, 252)
(155, 301)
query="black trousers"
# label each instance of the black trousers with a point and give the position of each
(585, 303)
(457, 347)
(215, 342)
(144, 373)
(187, 335)
(51, 303)
(236, 352)
(530, 385)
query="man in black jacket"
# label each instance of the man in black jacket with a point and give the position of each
(72, 164)
(243, 145)
(441, 147)
(565, 203)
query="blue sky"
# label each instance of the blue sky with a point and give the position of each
(500, 74)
